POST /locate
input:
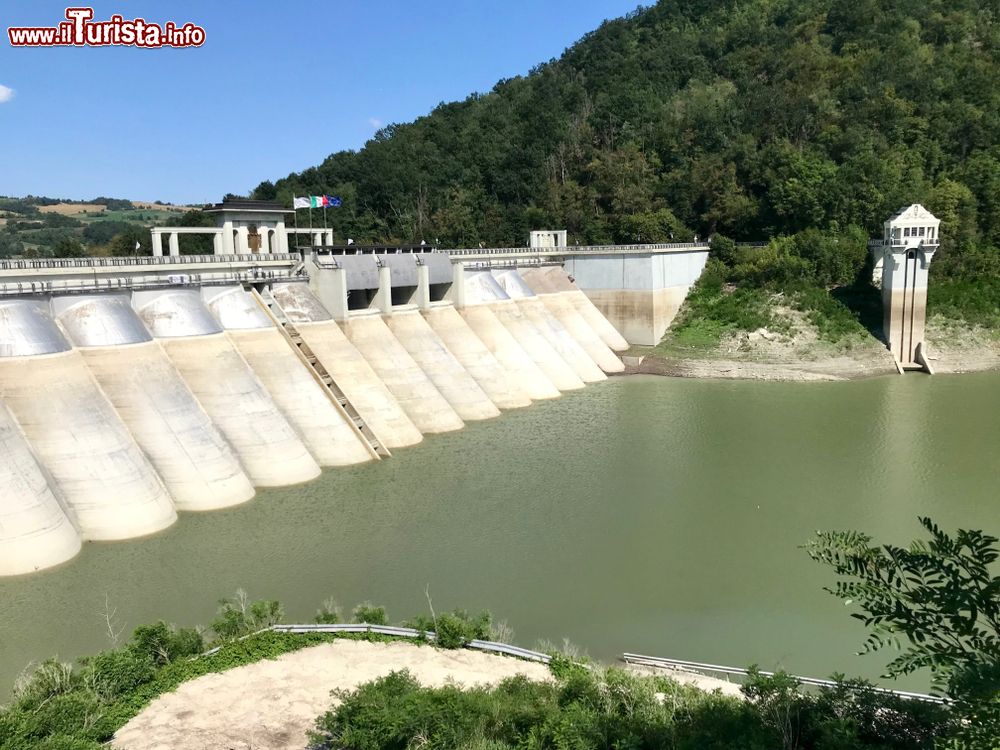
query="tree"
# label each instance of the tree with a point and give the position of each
(941, 598)
(69, 247)
(123, 244)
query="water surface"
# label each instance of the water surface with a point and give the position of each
(654, 515)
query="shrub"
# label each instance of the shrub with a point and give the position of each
(164, 643)
(49, 679)
(239, 617)
(370, 614)
(328, 613)
(117, 673)
(456, 629)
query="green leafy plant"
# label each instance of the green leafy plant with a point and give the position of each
(937, 601)
(370, 614)
(239, 616)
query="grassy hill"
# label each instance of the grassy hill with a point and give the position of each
(39, 227)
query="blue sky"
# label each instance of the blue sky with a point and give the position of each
(276, 87)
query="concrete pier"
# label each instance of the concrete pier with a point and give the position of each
(414, 391)
(347, 365)
(195, 463)
(479, 362)
(220, 378)
(35, 532)
(545, 283)
(305, 403)
(447, 374)
(107, 482)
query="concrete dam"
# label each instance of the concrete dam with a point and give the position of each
(132, 389)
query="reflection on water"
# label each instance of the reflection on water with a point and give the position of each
(644, 514)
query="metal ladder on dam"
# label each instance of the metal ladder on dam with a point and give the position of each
(298, 344)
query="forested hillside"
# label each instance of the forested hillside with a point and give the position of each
(749, 118)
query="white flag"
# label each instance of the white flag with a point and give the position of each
(301, 202)
(137, 245)
(350, 241)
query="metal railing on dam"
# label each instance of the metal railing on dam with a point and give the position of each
(48, 275)
(569, 250)
(35, 264)
(119, 283)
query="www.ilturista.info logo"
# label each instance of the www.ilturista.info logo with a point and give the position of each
(80, 30)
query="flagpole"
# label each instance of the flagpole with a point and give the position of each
(312, 237)
(296, 211)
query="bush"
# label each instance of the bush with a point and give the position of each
(239, 617)
(370, 614)
(586, 709)
(328, 613)
(456, 629)
(833, 319)
(163, 643)
(117, 673)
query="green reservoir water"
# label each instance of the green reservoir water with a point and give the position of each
(654, 515)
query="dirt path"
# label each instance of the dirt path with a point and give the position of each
(271, 705)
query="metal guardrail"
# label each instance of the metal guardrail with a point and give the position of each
(581, 249)
(123, 283)
(30, 264)
(656, 661)
(399, 632)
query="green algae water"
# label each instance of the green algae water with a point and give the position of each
(644, 514)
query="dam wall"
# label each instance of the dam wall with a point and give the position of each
(500, 386)
(638, 292)
(547, 283)
(123, 401)
(481, 291)
(195, 463)
(551, 328)
(107, 482)
(322, 425)
(420, 399)
(352, 372)
(270, 450)
(35, 530)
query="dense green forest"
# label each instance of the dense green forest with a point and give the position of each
(749, 118)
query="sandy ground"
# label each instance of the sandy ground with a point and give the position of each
(271, 705)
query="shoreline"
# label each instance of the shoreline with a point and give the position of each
(951, 350)
(828, 371)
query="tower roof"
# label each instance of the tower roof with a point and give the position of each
(914, 212)
(241, 204)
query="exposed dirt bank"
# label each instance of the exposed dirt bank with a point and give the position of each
(271, 705)
(800, 355)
